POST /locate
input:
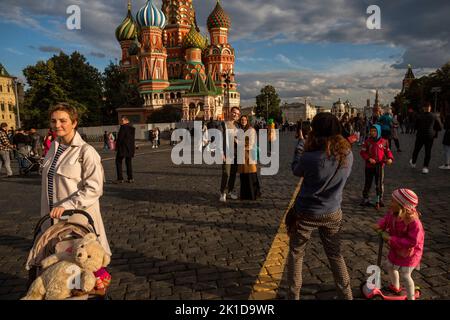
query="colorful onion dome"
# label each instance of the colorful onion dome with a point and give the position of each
(151, 16)
(127, 29)
(218, 18)
(194, 39)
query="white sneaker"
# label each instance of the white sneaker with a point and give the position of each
(223, 197)
(413, 165)
(233, 196)
(425, 170)
(444, 167)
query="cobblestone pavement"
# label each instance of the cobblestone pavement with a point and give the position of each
(172, 239)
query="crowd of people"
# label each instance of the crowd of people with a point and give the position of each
(323, 159)
(22, 145)
(73, 176)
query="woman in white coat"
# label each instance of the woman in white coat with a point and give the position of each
(72, 174)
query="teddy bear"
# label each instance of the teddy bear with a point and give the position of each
(65, 271)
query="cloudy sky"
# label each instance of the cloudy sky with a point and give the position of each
(320, 50)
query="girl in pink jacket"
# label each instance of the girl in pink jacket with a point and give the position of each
(403, 231)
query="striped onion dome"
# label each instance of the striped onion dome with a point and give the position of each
(218, 18)
(151, 16)
(127, 30)
(194, 39)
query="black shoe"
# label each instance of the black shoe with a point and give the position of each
(399, 150)
(381, 203)
(130, 180)
(118, 181)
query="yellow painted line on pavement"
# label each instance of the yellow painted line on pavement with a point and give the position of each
(271, 273)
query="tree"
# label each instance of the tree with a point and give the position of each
(268, 98)
(63, 78)
(119, 92)
(46, 89)
(82, 83)
(420, 91)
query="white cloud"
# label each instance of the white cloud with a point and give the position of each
(317, 81)
(353, 80)
(422, 28)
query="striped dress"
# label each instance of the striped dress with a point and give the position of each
(51, 173)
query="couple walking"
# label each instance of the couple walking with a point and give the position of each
(247, 168)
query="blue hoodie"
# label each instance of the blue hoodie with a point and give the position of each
(378, 127)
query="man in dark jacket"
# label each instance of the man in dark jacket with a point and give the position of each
(427, 126)
(125, 146)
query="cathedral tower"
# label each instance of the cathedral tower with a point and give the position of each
(153, 77)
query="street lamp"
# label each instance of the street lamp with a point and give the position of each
(17, 102)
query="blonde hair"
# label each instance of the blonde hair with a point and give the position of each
(406, 214)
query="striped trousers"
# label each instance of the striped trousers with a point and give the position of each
(329, 226)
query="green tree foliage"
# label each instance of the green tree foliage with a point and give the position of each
(82, 83)
(70, 78)
(63, 78)
(118, 92)
(46, 89)
(268, 97)
(420, 89)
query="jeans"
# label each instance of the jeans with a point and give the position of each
(377, 173)
(6, 160)
(420, 142)
(447, 155)
(228, 177)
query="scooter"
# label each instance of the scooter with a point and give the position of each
(381, 293)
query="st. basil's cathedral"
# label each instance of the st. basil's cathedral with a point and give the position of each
(174, 65)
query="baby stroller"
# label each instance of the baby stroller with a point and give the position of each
(60, 237)
(30, 163)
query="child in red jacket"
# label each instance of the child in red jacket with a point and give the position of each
(375, 151)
